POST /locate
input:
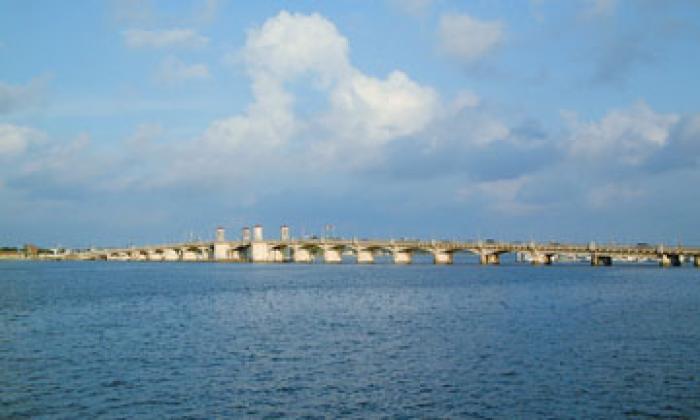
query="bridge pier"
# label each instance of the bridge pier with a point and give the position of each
(598, 260)
(541, 259)
(696, 260)
(670, 260)
(489, 259)
(222, 251)
(442, 257)
(258, 252)
(118, 256)
(276, 255)
(402, 257)
(236, 255)
(332, 256)
(364, 256)
(301, 255)
(154, 255)
(189, 255)
(170, 254)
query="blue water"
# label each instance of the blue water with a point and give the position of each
(81, 340)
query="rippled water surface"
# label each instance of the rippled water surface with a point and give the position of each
(159, 340)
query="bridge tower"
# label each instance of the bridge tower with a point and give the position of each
(221, 248)
(259, 250)
(257, 233)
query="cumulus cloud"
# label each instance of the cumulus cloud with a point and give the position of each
(468, 39)
(682, 148)
(289, 45)
(376, 111)
(14, 139)
(173, 70)
(168, 38)
(595, 164)
(627, 136)
(363, 112)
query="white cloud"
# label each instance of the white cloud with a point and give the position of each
(376, 111)
(14, 139)
(289, 45)
(170, 38)
(61, 159)
(363, 112)
(173, 70)
(627, 136)
(468, 39)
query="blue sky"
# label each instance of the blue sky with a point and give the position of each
(150, 121)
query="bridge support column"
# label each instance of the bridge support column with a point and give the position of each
(696, 260)
(221, 251)
(276, 255)
(155, 256)
(189, 255)
(301, 255)
(541, 259)
(670, 260)
(442, 257)
(489, 259)
(402, 257)
(258, 252)
(597, 260)
(235, 255)
(332, 256)
(365, 256)
(170, 254)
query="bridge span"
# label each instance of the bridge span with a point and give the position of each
(253, 248)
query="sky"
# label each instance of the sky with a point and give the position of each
(135, 122)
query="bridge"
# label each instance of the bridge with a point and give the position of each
(255, 249)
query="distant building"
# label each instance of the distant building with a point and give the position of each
(31, 250)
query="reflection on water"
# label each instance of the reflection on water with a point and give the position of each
(157, 339)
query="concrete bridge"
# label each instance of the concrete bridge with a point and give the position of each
(253, 248)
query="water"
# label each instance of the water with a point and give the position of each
(160, 340)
